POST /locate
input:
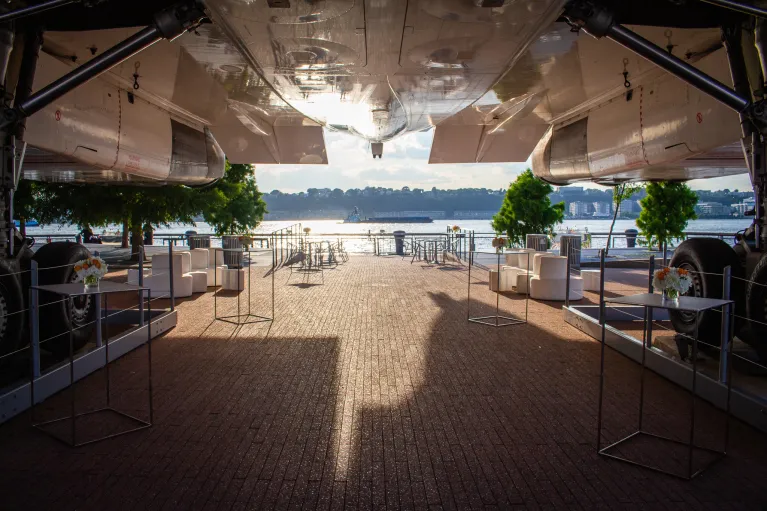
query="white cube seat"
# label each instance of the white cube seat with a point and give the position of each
(591, 279)
(186, 262)
(506, 276)
(525, 259)
(215, 277)
(199, 281)
(134, 273)
(160, 285)
(549, 281)
(199, 257)
(554, 289)
(233, 279)
(539, 256)
(161, 264)
(521, 280)
(215, 257)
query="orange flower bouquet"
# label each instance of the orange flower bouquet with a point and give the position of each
(672, 282)
(90, 271)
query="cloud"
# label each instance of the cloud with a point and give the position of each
(405, 163)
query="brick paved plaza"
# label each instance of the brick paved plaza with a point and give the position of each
(373, 391)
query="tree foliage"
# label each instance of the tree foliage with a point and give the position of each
(232, 205)
(621, 192)
(235, 205)
(526, 209)
(665, 211)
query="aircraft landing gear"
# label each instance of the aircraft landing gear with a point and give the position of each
(706, 259)
(756, 307)
(746, 98)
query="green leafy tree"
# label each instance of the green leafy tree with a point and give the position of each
(24, 203)
(235, 205)
(665, 212)
(88, 206)
(621, 193)
(149, 207)
(526, 209)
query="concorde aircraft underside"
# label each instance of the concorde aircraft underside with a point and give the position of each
(497, 81)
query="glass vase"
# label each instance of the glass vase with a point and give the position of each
(671, 296)
(91, 282)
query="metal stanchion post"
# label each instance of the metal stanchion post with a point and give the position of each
(99, 317)
(149, 352)
(273, 271)
(602, 324)
(498, 289)
(141, 284)
(724, 350)
(170, 278)
(567, 279)
(106, 340)
(649, 310)
(468, 296)
(34, 323)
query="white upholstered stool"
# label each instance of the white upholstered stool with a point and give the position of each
(233, 279)
(199, 281)
(591, 279)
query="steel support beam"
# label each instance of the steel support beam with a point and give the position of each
(740, 7)
(91, 69)
(599, 22)
(168, 24)
(31, 10)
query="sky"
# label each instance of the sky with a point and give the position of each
(405, 163)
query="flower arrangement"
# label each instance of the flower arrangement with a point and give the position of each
(456, 228)
(307, 230)
(672, 282)
(499, 243)
(90, 271)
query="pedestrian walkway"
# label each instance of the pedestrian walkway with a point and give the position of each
(373, 391)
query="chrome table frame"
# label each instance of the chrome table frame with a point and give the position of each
(689, 304)
(497, 320)
(105, 288)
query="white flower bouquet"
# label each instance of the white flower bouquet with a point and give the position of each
(90, 271)
(672, 282)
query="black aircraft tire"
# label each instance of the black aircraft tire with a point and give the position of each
(756, 308)
(706, 259)
(12, 321)
(56, 319)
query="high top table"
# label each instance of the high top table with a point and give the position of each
(690, 304)
(105, 288)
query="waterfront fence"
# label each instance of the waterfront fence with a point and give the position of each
(34, 352)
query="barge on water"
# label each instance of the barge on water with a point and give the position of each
(355, 218)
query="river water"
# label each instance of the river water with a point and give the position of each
(354, 243)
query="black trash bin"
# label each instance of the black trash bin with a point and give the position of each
(631, 237)
(233, 256)
(399, 242)
(198, 240)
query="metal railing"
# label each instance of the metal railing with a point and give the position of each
(738, 324)
(24, 363)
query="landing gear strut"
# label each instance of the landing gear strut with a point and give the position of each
(711, 256)
(167, 24)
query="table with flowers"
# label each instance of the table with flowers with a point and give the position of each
(97, 290)
(665, 279)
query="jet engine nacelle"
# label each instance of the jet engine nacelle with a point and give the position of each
(660, 130)
(102, 133)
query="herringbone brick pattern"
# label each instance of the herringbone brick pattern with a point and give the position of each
(373, 391)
